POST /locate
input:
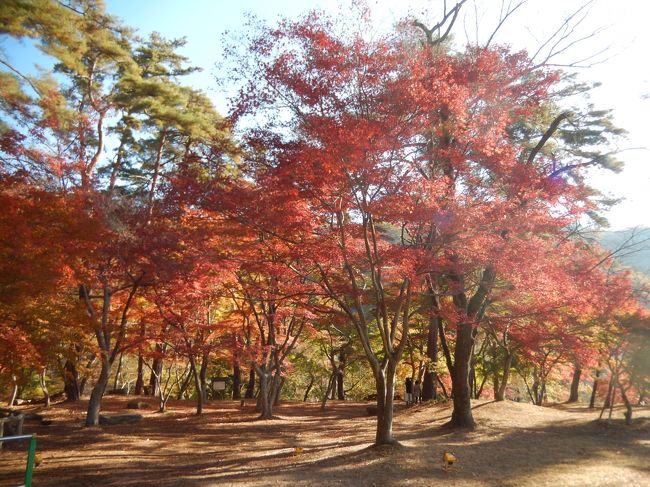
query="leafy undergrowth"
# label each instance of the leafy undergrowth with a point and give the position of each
(514, 444)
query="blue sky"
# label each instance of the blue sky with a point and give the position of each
(624, 74)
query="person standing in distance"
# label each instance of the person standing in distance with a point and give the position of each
(408, 397)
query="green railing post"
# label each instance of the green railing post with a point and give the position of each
(31, 454)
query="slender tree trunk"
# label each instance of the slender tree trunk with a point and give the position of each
(82, 386)
(429, 391)
(628, 405)
(308, 390)
(84, 379)
(250, 387)
(14, 391)
(330, 387)
(500, 393)
(612, 401)
(340, 389)
(461, 416)
(442, 387)
(480, 388)
(610, 386)
(594, 391)
(92, 417)
(608, 397)
(236, 382)
(185, 384)
(139, 381)
(118, 371)
(156, 174)
(472, 379)
(154, 386)
(46, 393)
(575, 384)
(199, 383)
(71, 381)
(205, 362)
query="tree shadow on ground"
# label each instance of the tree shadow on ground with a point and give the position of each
(259, 452)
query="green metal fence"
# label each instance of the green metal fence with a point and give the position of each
(31, 455)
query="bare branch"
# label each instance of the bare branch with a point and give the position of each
(448, 20)
(560, 41)
(503, 17)
(22, 76)
(547, 135)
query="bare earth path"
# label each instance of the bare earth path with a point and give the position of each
(515, 444)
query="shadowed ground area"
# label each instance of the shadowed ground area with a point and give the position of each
(514, 444)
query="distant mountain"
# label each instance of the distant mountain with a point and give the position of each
(632, 247)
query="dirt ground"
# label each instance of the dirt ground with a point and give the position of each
(514, 444)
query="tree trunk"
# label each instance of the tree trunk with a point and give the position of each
(472, 379)
(278, 383)
(496, 385)
(139, 381)
(628, 405)
(200, 382)
(608, 398)
(250, 387)
(71, 381)
(154, 386)
(82, 386)
(429, 391)
(308, 390)
(84, 379)
(500, 393)
(46, 393)
(330, 386)
(14, 391)
(575, 383)
(92, 417)
(442, 387)
(236, 382)
(203, 375)
(264, 399)
(385, 382)
(612, 400)
(197, 385)
(340, 389)
(461, 416)
(118, 371)
(185, 384)
(594, 391)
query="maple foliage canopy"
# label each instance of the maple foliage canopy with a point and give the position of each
(385, 182)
